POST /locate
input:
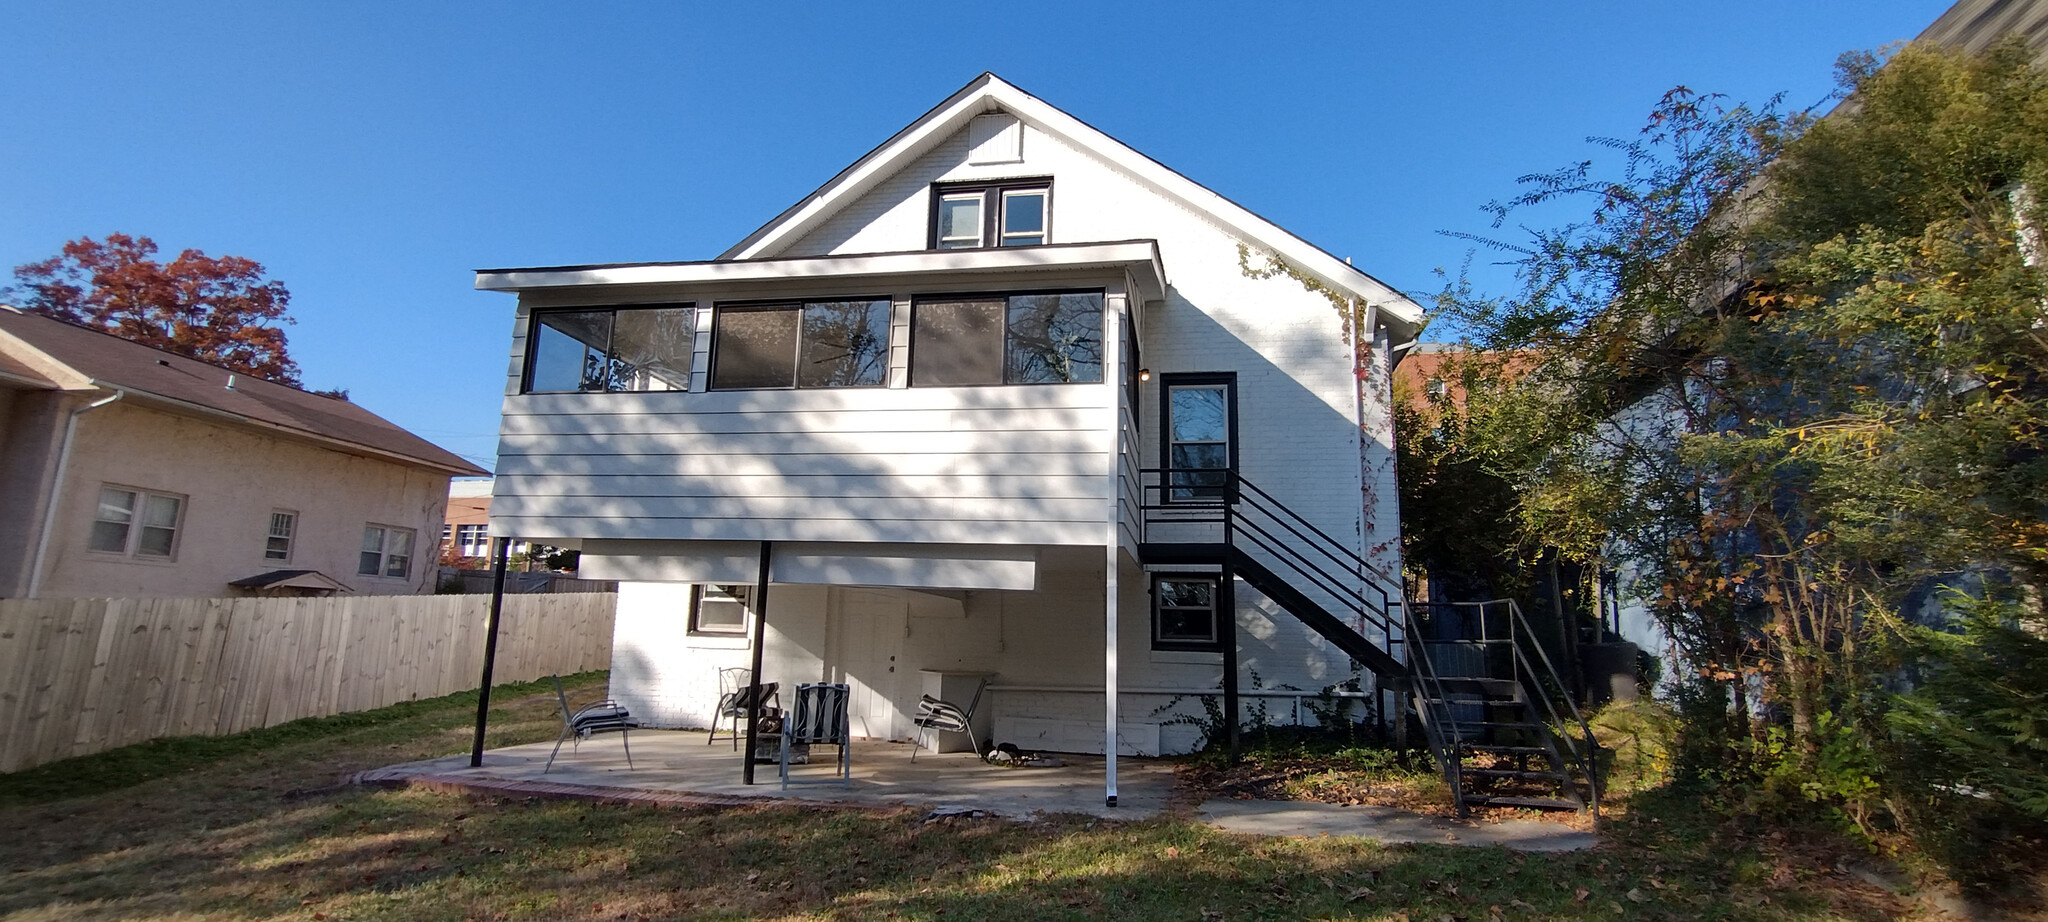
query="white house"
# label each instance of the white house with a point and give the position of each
(935, 397)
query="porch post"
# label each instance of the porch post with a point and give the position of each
(754, 689)
(1226, 626)
(483, 695)
(1109, 686)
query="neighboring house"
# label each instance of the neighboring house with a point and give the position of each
(936, 395)
(466, 523)
(130, 471)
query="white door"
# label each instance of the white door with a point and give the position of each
(866, 652)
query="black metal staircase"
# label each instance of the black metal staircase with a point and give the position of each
(1501, 723)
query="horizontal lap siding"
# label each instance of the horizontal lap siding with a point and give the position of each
(985, 465)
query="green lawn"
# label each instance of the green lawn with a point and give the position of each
(257, 827)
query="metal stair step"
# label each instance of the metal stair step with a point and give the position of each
(1537, 803)
(1517, 774)
(1504, 750)
(1505, 687)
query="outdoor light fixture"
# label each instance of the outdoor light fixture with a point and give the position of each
(1144, 374)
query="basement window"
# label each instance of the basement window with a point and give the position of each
(1010, 213)
(1184, 613)
(807, 344)
(594, 349)
(719, 609)
(1040, 338)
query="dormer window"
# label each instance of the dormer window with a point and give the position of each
(1009, 213)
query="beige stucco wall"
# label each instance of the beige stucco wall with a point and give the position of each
(232, 478)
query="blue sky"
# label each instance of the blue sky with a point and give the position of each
(372, 154)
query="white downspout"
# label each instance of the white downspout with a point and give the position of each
(35, 569)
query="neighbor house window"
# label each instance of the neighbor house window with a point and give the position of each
(136, 523)
(1007, 339)
(719, 609)
(277, 543)
(1184, 613)
(611, 349)
(472, 540)
(1009, 213)
(806, 344)
(387, 551)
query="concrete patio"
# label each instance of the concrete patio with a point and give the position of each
(679, 762)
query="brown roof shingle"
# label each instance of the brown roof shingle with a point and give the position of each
(115, 362)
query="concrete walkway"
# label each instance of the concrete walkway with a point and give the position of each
(1387, 824)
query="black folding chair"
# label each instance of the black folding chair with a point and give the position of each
(935, 716)
(603, 716)
(736, 700)
(819, 718)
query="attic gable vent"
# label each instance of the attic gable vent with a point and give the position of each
(995, 138)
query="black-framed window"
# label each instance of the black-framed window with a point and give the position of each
(719, 609)
(1032, 338)
(1184, 612)
(1198, 433)
(843, 343)
(636, 348)
(1008, 213)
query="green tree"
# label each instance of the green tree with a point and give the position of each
(1790, 371)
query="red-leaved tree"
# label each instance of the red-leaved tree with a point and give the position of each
(216, 309)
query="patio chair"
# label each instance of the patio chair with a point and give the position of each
(601, 716)
(736, 699)
(819, 718)
(935, 716)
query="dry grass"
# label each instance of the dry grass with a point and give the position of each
(264, 833)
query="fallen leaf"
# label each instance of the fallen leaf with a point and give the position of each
(1635, 895)
(1172, 851)
(1358, 894)
(1579, 895)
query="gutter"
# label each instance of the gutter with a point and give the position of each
(35, 572)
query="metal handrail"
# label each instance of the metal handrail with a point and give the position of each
(1588, 759)
(1424, 671)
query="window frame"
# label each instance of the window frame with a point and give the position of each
(384, 551)
(993, 194)
(291, 535)
(533, 321)
(1216, 633)
(1227, 380)
(718, 310)
(473, 528)
(742, 595)
(910, 363)
(131, 541)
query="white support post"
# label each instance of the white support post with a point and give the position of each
(1113, 376)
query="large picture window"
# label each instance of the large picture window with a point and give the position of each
(808, 344)
(1010, 213)
(611, 349)
(1044, 338)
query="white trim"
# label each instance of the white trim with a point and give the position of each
(1138, 257)
(989, 93)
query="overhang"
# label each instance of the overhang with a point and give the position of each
(1139, 258)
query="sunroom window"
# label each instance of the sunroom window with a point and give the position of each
(611, 349)
(809, 344)
(1008, 213)
(1040, 338)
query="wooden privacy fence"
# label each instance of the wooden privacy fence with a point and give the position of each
(81, 675)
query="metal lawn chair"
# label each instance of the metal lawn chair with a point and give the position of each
(819, 718)
(935, 716)
(602, 716)
(736, 700)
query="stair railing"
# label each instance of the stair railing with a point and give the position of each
(1541, 678)
(1433, 709)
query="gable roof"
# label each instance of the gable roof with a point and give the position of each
(72, 357)
(990, 93)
